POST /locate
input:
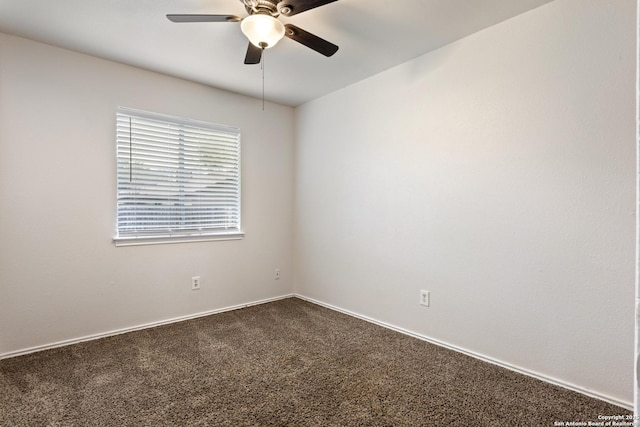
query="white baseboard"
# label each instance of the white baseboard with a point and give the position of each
(139, 327)
(554, 381)
(614, 401)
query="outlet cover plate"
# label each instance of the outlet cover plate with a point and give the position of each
(425, 298)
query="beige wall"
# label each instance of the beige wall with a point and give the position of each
(498, 173)
(61, 277)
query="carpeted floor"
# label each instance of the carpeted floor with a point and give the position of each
(287, 363)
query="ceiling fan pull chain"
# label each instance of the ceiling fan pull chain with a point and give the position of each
(262, 66)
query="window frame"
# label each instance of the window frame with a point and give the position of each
(166, 235)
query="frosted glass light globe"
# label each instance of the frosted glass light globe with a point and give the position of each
(263, 31)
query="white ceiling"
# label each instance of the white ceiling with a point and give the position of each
(373, 35)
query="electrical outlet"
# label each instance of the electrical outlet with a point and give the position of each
(425, 298)
(195, 283)
(276, 275)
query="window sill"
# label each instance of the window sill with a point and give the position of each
(162, 240)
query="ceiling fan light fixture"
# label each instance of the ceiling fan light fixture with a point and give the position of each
(263, 31)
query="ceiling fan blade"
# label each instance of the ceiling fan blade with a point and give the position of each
(254, 54)
(310, 40)
(204, 18)
(293, 7)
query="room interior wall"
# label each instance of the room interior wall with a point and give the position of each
(498, 173)
(61, 277)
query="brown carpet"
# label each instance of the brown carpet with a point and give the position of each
(287, 363)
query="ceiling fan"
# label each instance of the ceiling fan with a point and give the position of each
(264, 30)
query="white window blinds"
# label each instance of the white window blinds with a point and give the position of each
(176, 177)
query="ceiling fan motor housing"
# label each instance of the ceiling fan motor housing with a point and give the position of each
(262, 6)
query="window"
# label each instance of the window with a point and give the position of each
(177, 179)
